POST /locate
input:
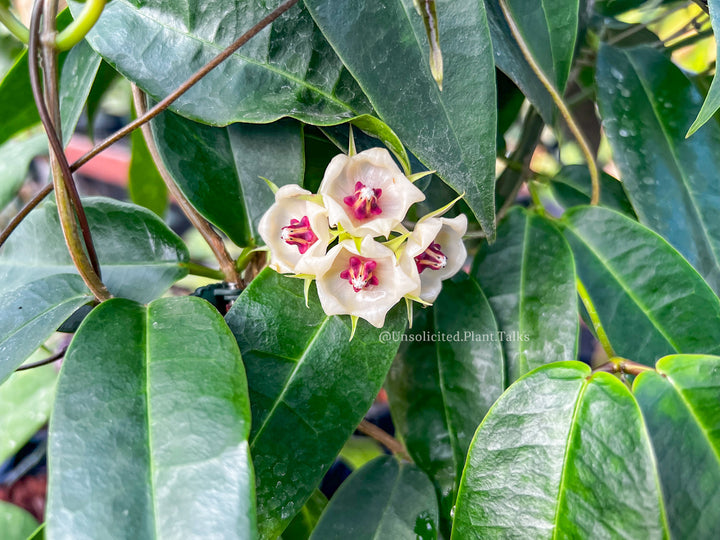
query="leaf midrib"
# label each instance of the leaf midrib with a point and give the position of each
(151, 464)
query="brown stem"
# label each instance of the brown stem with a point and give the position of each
(227, 264)
(49, 360)
(68, 199)
(184, 87)
(22, 214)
(622, 365)
(384, 438)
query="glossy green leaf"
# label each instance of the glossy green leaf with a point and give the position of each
(712, 100)
(682, 411)
(528, 276)
(148, 437)
(104, 80)
(15, 523)
(452, 131)
(384, 499)
(77, 72)
(140, 257)
(25, 403)
(309, 386)
(510, 60)
(650, 301)
(572, 187)
(647, 104)
(219, 169)
(304, 522)
(441, 387)
(549, 28)
(286, 70)
(15, 157)
(32, 312)
(550, 461)
(145, 185)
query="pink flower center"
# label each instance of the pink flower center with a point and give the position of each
(364, 201)
(431, 258)
(360, 273)
(299, 234)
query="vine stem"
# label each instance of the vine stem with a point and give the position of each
(49, 360)
(227, 264)
(15, 27)
(595, 319)
(47, 102)
(622, 365)
(557, 98)
(78, 29)
(154, 111)
(384, 438)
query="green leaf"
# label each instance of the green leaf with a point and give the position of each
(572, 187)
(219, 169)
(25, 403)
(510, 60)
(441, 388)
(302, 525)
(359, 450)
(452, 131)
(15, 157)
(681, 409)
(309, 386)
(145, 185)
(77, 72)
(140, 257)
(384, 499)
(104, 80)
(712, 100)
(550, 461)
(39, 533)
(549, 28)
(148, 437)
(647, 104)
(286, 70)
(650, 301)
(15, 523)
(32, 312)
(528, 276)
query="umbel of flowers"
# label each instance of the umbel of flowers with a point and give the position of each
(350, 239)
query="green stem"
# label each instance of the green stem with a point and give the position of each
(17, 29)
(203, 271)
(244, 259)
(595, 319)
(535, 196)
(688, 41)
(78, 29)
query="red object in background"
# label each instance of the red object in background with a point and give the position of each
(110, 166)
(28, 493)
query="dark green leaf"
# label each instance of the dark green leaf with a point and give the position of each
(572, 187)
(15, 157)
(104, 79)
(528, 276)
(712, 100)
(302, 525)
(148, 437)
(440, 391)
(139, 256)
(647, 104)
(15, 523)
(76, 80)
(286, 70)
(452, 131)
(145, 185)
(309, 386)
(682, 412)
(32, 312)
(650, 301)
(219, 169)
(549, 28)
(384, 499)
(550, 461)
(25, 402)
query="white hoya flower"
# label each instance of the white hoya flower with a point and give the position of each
(437, 249)
(365, 282)
(295, 229)
(367, 194)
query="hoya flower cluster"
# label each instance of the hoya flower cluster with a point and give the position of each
(376, 261)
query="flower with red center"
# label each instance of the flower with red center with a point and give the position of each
(364, 282)
(295, 229)
(437, 249)
(367, 194)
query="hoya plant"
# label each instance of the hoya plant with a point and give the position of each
(497, 219)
